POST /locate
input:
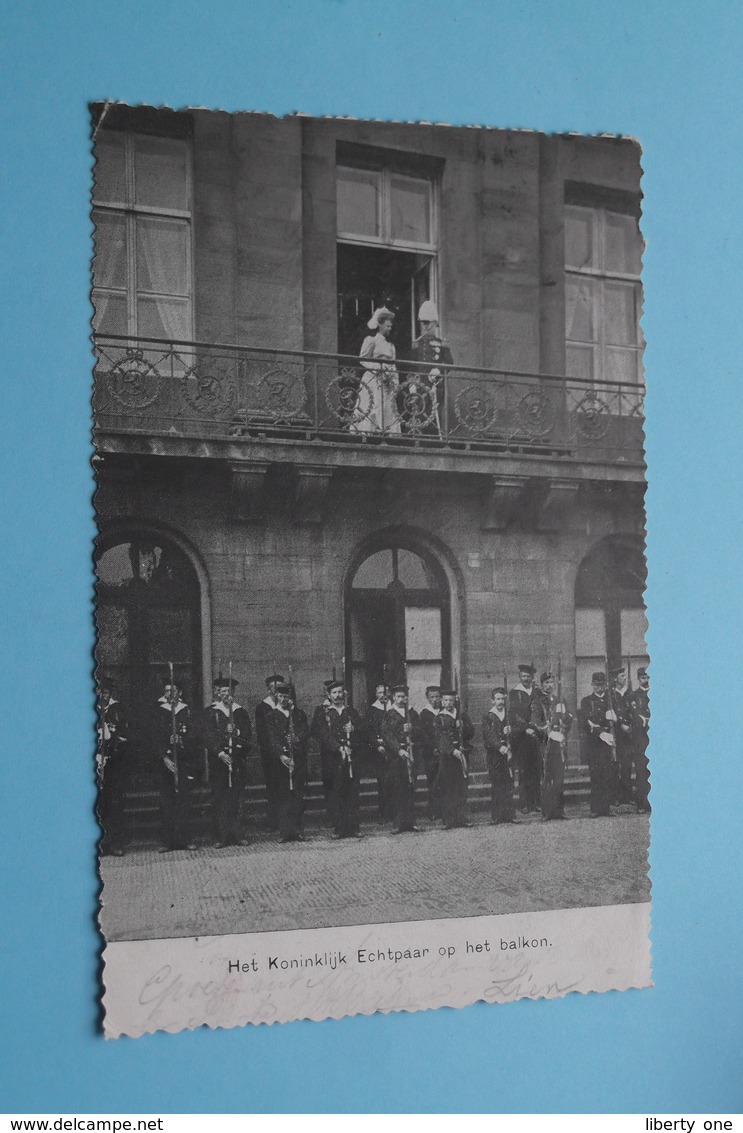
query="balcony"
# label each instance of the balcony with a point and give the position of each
(246, 404)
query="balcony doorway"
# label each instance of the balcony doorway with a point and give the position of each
(398, 624)
(371, 277)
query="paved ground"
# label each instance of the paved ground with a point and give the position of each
(471, 872)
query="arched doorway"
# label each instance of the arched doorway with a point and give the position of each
(148, 615)
(610, 622)
(398, 620)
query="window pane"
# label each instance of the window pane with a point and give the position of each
(622, 244)
(620, 314)
(579, 308)
(411, 570)
(164, 318)
(579, 250)
(423, 633)
(580, 361)
(634, 628)
(621, 364)
(375, 573)
(419, 675)
(162, 255)
(110, 313)
(358, 201)
(161, 172)
(109, 261)
(411, 209)
(109, 172)
(114, 567)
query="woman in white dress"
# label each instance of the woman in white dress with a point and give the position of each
(376, 407)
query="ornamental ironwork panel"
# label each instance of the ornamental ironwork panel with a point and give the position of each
(210, 391)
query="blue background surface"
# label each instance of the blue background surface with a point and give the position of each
(666, 73)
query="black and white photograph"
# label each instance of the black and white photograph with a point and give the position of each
(371, 631)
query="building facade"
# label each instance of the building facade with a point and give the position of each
(247, 516)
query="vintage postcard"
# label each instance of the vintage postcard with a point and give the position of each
(372, 674)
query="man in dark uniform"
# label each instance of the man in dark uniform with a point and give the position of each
(552, 722)
(454, 735)
(173, 749)
(226, 735)
(288, 735)
(427, 718)
(431, 354)
(623, 733)
(598, 721)
(639, 706)
(337, 728)
(496, 734)
(524, 739)
(326, 758)
(262, 712)
(373, 722)
(111, 765)
(399, 733)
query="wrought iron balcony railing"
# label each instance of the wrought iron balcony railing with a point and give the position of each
(192, 389)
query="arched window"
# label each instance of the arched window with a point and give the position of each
(610, 620)
(397, 623)
(148, 616)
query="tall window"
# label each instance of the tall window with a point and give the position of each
(387, 224)
(397, 623)
(142, 212)
(603, 295)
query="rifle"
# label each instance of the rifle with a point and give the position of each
(563, 741)
(348, 728)
(229, 732)
(458, 722)
(610, 704)
(291, 738)
(507, 717)
(409, 758)
(173, 729)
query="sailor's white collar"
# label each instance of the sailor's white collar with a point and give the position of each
(223, 707)
(164, 703)
(499, 712)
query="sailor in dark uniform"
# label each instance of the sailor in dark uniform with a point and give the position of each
(427, 746)
(326, 759)
(173, 750)
(552, 721)
(454, 735)
(639, 706)
(598, 721)
(373, 721)
(226, 735)
(524, 739)
(399, 732)
(112, 768)
(623, 730)
(337, 729)
(431, 354)
(496, 735)
(262, 712)
(288, 736)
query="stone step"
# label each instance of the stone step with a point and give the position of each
(142, 810)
